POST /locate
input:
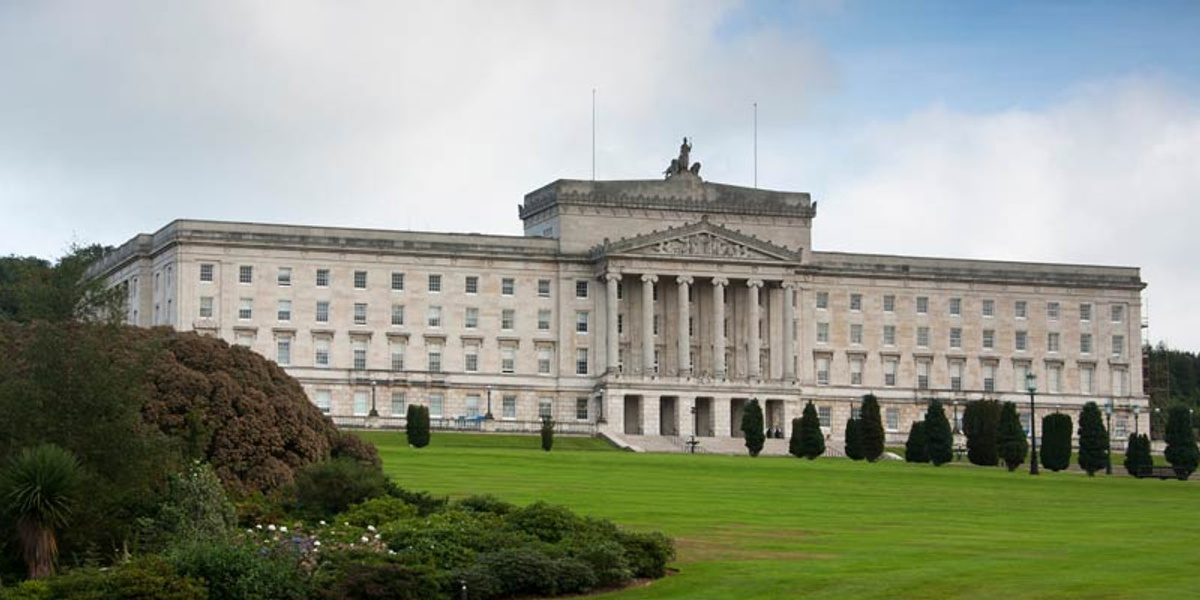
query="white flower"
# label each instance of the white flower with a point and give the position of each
(347, 524)
(377, 536)
(317, 543)
(322, 523)
(370, 528)
(271, 527)
(364, 539)
(283, 528)
(259, 526)
(391, 551)
(249, 531)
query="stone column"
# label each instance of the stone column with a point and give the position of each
(719, 284)
(612, 338)
(753, 345)
(685, 337)
(789, 342)
(648, 323)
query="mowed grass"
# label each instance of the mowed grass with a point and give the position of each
(833, 528)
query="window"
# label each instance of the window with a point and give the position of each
(544, 321)
(245, 309)
(435, 284)
(989, 339)
(581, 361)
(581, 289)
(284, 277)
(989, 308)
(323, 400)
(322, 277)
(1118, 313)
(989, 377)
(1120, 385)
(1118, 346)
(956, 376)
(471, 318)
(283, 350)
(855, 301)
(889, 303)
(1052, 341)
(206, 273)
(322, 312)
(1085, 312)
(922, 305)
(472, 285)
(398, 282)
(1121, 428)
(396, 352)
(245, 274)
(889, 335)
(508, 286)
(433, 316)
(823, 333)
(620, 323)
(893, 418)
(508, 359)
(581, 408)
(1087, 379)
(508, 318)
(581, 322)
(856, 371)
(1020, 309)
(545, 360)
(823, 371)
(889, 372)
(245, 339)
(1054, 378)
(1085, 343)
(545, 408)
(433, 354)
(283, 311)
(856, 333)
(471, 359)
(544, 288)
(922, 337)
(822, 300)
(654, 292)
(472, 406)
(359, 349)
(1021, 341)
(856, 411)
(1020, 373)
(1052, 310)
(508, 407)
(620, 290)
(956, 337)
(923, 375)
(825, 414)
(360, 313)
(321, 352)
(360, 280)
(362, 402)
(397, 314)
(956, 307)
(206, 307)
(399, 403)
(437, 405)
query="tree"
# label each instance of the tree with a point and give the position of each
(32, 289)
(752, 428)
(1181, 442)
(38, 490)
(939, 445)
(812, 440)
(854, 449)
(1011, 445)
(547, 433)
(916, 449)
(1093, 440)
(416, 426)
(870, 428)
(981, 420)
(1137, 454)
(1057, 429)
(795, 447)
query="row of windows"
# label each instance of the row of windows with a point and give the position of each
(987, 307)
(957, 368)
(988, 339)
(322, 278)
(397, 404)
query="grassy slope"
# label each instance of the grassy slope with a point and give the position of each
(782, 527)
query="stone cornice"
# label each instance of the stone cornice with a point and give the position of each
(685, 194)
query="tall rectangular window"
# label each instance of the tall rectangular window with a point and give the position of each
(922, 305)
(822, 300)
(581, 408)
(396, 349)
(922, 337)
(321, 352)
(322, 311)
(581, 288)
(1087, 379)
(1020, 374)
(889, 303)
(472, 406)
(437, 405)
(855, 301)
(283, 311)
(245, 274)
(1052, 341)
(472, 284)
(545, 360)
(655, 324)
(508, 407)
(1054, 378)
(889, 335)
(856, 371)
(283, 350)
(1118, 313)
(956, 337)
(1120, 382)
(545, 408)
(360, 280)
(433, 316)
(989, 377)
(399, 402)
(581, 321)
(1020, 309)
(1085, 312)
(822, 333)
(956, 307)
(1021, 341)
(324, 400)
(508, 286)
(435, 284)
(362, 403)
(508, 359)
(544, 320)
(245, 309)
(360, 313)
(206, 273)
(989, 339)
(923, 375)
(1118, 346)
(856, 333)
(544, 288)
(471, 359)
(1085, 343)
(956, 376)
(508, 318)
(284, 277)
(359, 349)
(434, 357)
(889, 372)
(892, 416)
(322, 277)
(397, 281)
(206, 307)
(989, 308)
(1052, 309)
(825, 415)
(397, 314)
(581, 361)
(471, 317)
(823, 371)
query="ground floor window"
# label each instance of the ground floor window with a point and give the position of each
(323, 399)
(472, 406)
(581, 408)
(399, 403)
(437, 404)
(362, 403)
(509, 409)
(545, 408)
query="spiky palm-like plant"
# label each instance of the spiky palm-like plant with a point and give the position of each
(37, 490)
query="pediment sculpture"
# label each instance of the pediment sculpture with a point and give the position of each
(703, 244)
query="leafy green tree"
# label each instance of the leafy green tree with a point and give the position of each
(1012, 446)
(38, 489)
(416, 426)
(32, 289)
(1137, 454)
(939, 439)
(1093, 440)
(752, 428)
(854, 449)
(812, 440)
(547, 433)
(916, 448)
(1057, 429)
(1181, 442)
(981, 420)
(870, 428)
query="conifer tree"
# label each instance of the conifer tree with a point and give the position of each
(1137, 454)
(1093, 440)
(1056, 441)
(416, 426)
(752, 428)
(916, 448)
(981, 420)
(1011, 445)
(939, 440)
(1181, 442)
(547, 433)
(812, 441)
(870, 428)
(854, 449)
(795, 447)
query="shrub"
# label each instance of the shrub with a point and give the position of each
(870, 428)
(1010, 437)
(916, 448)
(854, 449)
(485, 503)
(752, 428)
(939, 439)
(547, 433)
(1137, 454)
(1181, 449)
(812, 440)
(144, 578)
(528, 571)
(425, 502)
(605, 557)
(38, 489)
(348, 445)
(195, 507)
(377, 512)
(647, 553)
(1057, 429)
(547, 522)
(386, 581)
(235, 571)
(416, 426)
(981, 422)
(1093, 440)
(326, 488)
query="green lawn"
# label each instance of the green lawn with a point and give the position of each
(786, 528)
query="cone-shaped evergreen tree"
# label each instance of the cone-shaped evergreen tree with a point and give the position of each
(915, 449)
(547, 433)
(939, 444)
(1011, 445)
(812, 441)
(870, 428)
(795, 446)
(1093, 439)
(416, 426)
(1181, 442)
(981, 420)
(854, 449)
(752, 428)
(1056, 441)
(1137, 455)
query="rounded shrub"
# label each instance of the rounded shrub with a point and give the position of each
(326, 488)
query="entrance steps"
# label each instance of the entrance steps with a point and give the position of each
(668, 444)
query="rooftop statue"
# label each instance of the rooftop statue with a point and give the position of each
(680, 165)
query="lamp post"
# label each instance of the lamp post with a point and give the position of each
(955, 404)
(374, 414)
(489, 416)
(1108, 411)
(1031, 385)
(1136, 429)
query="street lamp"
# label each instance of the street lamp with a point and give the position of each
(1031, 385)
(374, 414)
(955, 404)
(1108, 411)
(489, 416)
(1136, 429)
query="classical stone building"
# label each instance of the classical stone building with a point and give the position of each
(650, 307)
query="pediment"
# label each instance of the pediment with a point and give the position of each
(702, 240)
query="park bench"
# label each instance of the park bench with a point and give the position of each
(1157, 471)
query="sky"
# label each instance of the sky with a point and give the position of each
(1050, 131)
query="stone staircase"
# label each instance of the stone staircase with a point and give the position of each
(708, 445)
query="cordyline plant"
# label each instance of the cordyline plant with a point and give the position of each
(37, 490)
